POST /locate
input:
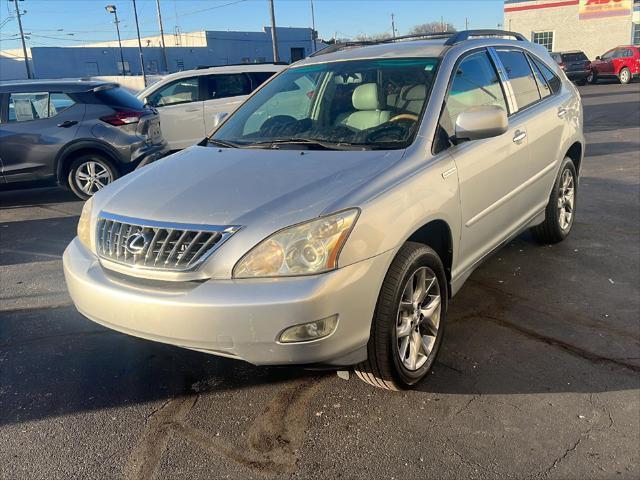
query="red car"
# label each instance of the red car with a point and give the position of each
(622, 62)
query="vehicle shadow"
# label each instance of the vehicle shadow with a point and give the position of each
(32, 194)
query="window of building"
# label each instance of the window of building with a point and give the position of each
(520, 76)
(222, 86)
(180, 64)
(475, 84)
(124, 69)
(91, 69)
(297, 53)
(184, 90)
(543, 38)
(636, 33)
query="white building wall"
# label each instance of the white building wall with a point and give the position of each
(593, 36)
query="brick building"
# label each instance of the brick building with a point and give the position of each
(593, 26)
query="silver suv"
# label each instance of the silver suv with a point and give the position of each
(334, 230)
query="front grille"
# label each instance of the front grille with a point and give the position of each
(157, 245)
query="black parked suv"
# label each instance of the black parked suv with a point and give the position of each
(81, 134)
(575, 65)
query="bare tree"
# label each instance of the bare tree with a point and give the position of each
(373, 37)
(432, 27)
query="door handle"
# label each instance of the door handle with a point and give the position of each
(67, 123)
(562, 112)
(519, 136)
(192, 109)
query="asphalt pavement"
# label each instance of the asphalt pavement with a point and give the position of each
(539, 376)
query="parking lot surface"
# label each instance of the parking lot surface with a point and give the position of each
(539, 375)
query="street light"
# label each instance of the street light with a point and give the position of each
(112, 9)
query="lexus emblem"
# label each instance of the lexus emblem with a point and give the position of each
(138, 243)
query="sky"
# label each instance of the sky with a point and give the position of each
(72, 22)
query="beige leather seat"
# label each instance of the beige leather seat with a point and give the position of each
(413, 99)
(367, 104)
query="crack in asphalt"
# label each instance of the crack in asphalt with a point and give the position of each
(554, 342)
(275, 437)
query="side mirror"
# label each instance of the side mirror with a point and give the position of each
(598, 57)
(481, 122)
(218, 118)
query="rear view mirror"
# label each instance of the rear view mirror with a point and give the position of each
(218, 118)
(481, 122)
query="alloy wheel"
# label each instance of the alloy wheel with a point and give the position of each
(624, 76)
(418, 318)
(92, 176)
(566, 200)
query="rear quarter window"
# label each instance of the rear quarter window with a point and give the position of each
(118, 97)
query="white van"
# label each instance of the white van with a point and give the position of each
(187, 101)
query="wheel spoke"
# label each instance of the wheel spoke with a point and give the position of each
(428, 341)
(91, 168)
(402, 350)
(419, 290)
(431, 307)
(416, 342)
(404, 329)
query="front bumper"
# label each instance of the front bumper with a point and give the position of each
(235, 318)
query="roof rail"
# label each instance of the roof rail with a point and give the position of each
(466, 34)
(363, 43)
(202, 67)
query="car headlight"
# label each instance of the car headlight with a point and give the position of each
(84, 224)
(304, 249)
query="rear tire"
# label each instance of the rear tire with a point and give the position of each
(592, 78)
(582, 82)
(560, 211)
(624, 76)
(408, 323)
(90, 173)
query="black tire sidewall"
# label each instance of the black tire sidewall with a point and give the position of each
(71, 183)
(421, 256)
(553, 201)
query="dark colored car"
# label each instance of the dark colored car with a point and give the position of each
(80, 134)
(621, 62)
(575, 65)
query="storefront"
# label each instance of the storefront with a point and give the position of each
(593, 26)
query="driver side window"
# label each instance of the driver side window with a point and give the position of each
(184, 90)
(475, 83)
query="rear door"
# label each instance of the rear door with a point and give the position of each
(223, 93)
(180, 107)
(38, 125)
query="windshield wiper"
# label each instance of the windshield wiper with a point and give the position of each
(303, 141)
(222, 143)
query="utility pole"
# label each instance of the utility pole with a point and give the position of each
(393, 26)
(164, 48)
(442, 24)
(24, 45)
(466, 23)
(274, 35)
(114, 10)
(144, 75)
(313, 28)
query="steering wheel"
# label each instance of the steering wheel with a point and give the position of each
(404, 116)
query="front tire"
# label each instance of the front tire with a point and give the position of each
(408, 323)
(592, 78)
(624, 76)
(90, 173)
(560, 211)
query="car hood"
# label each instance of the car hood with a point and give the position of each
(203, 185)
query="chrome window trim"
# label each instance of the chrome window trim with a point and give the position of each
(527, 53)
(225, 231)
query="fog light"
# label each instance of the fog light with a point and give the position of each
(310, 331)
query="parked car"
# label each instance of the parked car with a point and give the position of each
(574, 64)
(622, 63)
(188, 101)
(338, 238)
(81, 134)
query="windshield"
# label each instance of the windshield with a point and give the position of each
(359, 104)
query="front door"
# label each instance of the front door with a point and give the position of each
(38, 125)
(181, 112)
(489, 170)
